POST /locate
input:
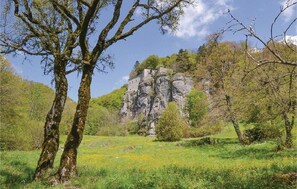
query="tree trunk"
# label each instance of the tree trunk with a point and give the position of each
(67, 166)
(288, 127)
(233, 119)
(51, 128)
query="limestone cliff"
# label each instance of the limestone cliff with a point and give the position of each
(150, 92)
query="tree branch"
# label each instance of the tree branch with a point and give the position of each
(66, 12)
(84, 26)
(100, 45)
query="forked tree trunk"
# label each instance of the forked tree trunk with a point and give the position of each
(67, 166)
(288, 128)
(233, 119)
(51, 128)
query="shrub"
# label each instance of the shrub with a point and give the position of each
(114, 130)
(138, 126)
(196, 106)
(170, 126)
(200, 142)
(205, 130)
(130, 125)
(262, 132)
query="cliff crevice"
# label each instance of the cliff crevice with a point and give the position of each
(150, 92)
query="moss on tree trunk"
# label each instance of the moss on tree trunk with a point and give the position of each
(51, 127)
(68, 161)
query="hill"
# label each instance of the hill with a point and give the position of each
(23, 108)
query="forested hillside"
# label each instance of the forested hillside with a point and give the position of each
(23, 108)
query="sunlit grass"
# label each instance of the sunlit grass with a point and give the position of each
(142, 162)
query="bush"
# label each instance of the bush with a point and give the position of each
(200, 142)
(138, 126)
(170, 126)
(115, 130)
(196, 107)
(205, 130)
(262, 132)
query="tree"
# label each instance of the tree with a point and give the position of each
(170, 125)
(219, 64)
(150, 62)
(280, 83)
(166, 13)
(22, 109)
(43, 28)
(183, 62)
(82, 15)
(196, 106)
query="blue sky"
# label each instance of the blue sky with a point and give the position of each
(198, 22)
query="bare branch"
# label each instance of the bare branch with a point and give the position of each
(252, 33)
(145, 21)
(66, 12)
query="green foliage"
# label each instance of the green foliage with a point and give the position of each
(104, 122)
(263, 131)
(152, 62)
(113, 130)
(184, 61)
(23, 108)
(138, 126)
(205, 130)
(200, 142)
(196, 106)
(112, 101)
(103, 118)
(170, 126)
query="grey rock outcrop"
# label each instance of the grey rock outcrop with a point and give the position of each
(150, 92)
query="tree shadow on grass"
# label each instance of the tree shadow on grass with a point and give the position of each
(229, 148)
(259, 151)
(254, 152)
(207, 141)
(16, 174)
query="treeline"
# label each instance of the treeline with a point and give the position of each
(183, 61)
(23, 108)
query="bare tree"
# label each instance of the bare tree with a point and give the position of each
(278, 64)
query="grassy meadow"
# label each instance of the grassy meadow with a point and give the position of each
(142, 162)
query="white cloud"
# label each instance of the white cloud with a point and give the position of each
(122, 81)
(197, 18)
(291, 11)
(291, 39)
(125, 79)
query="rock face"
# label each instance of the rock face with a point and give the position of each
(149, 93)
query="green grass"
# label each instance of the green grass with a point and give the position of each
(141, 162)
